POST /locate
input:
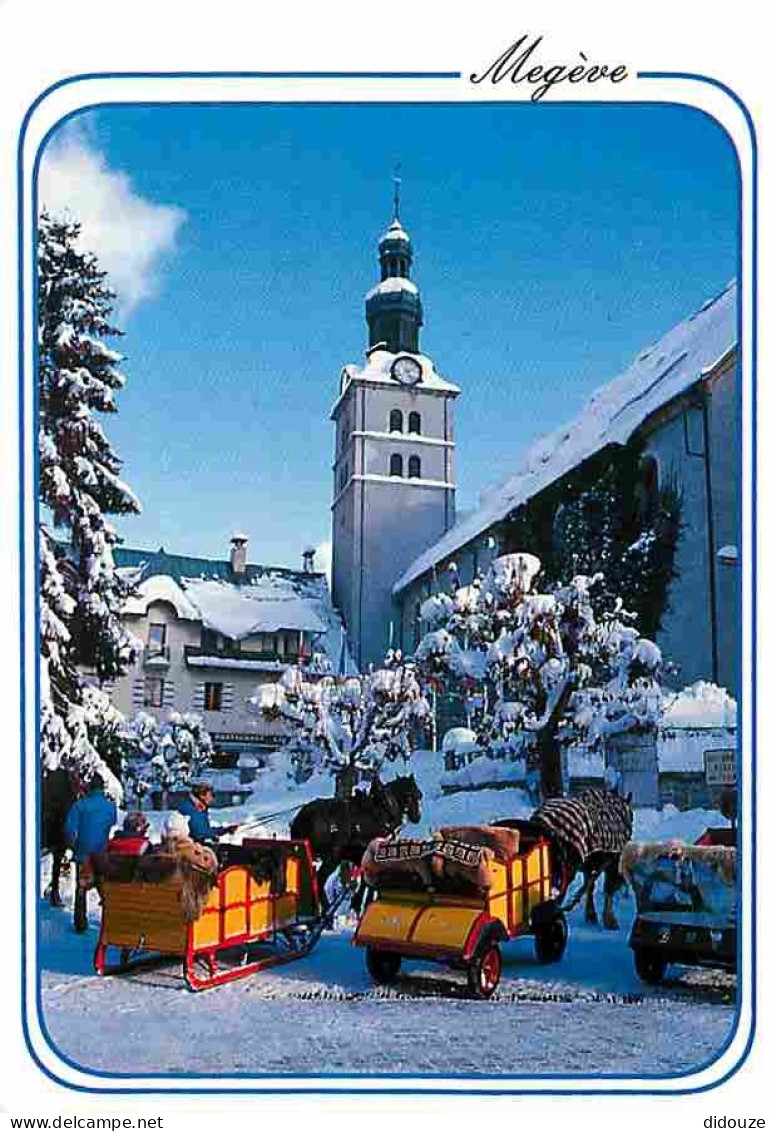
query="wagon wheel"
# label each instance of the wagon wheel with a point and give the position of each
(484, 971)
(650, 966)
(550, 938)
(383, 965)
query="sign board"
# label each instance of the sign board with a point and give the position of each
(720, 767)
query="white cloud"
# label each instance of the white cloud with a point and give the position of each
(323, 560)
(128, 233)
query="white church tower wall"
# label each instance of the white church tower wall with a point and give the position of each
(393, 473)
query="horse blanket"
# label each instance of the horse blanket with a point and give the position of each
(596, 821)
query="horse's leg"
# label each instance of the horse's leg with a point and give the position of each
(55, 896)
(613, 881)
(581, 891)
(591, 915)
(325, 869)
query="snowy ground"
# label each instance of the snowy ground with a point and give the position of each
(587, 1014)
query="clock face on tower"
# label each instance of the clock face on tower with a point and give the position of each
(406, 370)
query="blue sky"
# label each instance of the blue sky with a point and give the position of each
(551, 243)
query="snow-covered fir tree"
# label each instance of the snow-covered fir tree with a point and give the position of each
(541, 666)
(163, 756)
(352, 724)
(81, 592)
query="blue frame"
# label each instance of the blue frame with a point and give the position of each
(295, 1089)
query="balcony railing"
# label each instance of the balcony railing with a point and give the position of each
(156, 656)
(236, 657)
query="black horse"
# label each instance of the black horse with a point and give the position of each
(340, 830)
(58, 792)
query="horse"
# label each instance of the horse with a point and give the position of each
(588, 834)
(58, 791)
(340, 829)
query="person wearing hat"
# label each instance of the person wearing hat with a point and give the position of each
(195, 806)
(132, 838)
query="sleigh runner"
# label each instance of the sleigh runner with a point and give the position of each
(456, 898)
(262, 909)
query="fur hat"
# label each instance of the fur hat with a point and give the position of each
(176, 825)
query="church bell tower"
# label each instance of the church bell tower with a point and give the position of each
(394, 487)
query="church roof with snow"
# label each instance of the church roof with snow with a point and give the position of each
(661, 372)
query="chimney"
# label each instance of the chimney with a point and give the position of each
(308, 560)
(238, 555)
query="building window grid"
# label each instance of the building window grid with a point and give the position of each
(213, 696)
(153, 692)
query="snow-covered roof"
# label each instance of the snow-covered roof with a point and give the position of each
(395, 232)
(161, 588)
(377, 370)
(613, 414)
(393, 285)
(262, 600)
(267, 604)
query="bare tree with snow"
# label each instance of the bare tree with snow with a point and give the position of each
(541, 665)
(166, 755)
(347, 724)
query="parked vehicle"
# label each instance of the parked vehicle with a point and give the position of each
(685, 899)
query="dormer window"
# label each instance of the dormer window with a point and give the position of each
(157, 639)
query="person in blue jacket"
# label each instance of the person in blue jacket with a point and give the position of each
(87, 828)
(196, 807)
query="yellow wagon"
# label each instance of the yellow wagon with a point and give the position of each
(428, 910)
(262, 909)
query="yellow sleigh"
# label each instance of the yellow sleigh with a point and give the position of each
(263, 909)
(452, 923)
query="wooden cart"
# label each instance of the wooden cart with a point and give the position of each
(465, 929)
(263, 909)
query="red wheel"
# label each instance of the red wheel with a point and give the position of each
(484, 972)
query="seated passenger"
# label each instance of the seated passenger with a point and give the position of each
(132, 838)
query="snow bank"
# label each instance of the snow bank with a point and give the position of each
(700, 705)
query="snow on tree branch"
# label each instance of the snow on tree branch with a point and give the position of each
(357, 722)
(540, 663)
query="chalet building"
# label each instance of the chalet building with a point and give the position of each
(212, 631)
(677, 410)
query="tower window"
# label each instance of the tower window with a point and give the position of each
(414, 423)
(396, 422)
(397, 467)
(413, 467)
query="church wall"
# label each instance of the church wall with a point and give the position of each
(724, 424)
(400, 522)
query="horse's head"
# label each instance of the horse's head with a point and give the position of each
(408, 795)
